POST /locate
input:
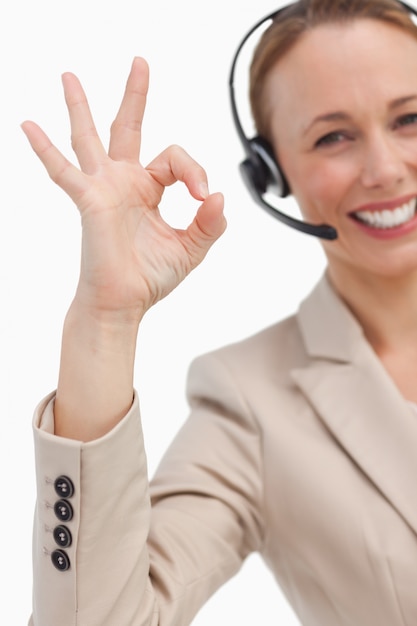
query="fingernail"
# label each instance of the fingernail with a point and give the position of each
(204, 190)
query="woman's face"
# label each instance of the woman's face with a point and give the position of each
(343, 105)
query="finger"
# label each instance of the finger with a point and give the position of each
(175, 164)
(62, 172)
(84, 138)
(126, 129)
(207, 226)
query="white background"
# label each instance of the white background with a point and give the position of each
(256, 274)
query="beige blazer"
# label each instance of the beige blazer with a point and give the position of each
(299, 446)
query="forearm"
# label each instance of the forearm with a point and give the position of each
(95, 387)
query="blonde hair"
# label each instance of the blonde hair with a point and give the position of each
(294, 20)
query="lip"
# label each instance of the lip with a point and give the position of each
(387, 205)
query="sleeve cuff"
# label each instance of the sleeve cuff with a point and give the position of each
(44, 418)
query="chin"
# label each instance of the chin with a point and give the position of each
(382, 261)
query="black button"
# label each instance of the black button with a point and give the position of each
(62, 536)
(63, 510)
(64, 487)
(60, 560)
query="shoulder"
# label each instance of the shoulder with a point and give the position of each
(277, 345)
(251, 364)
(321, 328)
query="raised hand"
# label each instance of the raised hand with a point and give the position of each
(131, 257)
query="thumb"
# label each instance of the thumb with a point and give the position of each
(207, 226)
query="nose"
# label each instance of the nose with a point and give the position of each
(383, 165)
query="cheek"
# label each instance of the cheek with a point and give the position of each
(320, 186)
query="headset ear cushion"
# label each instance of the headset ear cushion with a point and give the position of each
(261, 170)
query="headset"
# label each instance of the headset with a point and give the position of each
(260, 170)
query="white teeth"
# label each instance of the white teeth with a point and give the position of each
(388, 218)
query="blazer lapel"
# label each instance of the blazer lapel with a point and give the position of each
(357, 400)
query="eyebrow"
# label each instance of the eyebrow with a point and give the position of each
(342, 116)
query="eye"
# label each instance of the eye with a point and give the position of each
(330, 139)
(406, 120)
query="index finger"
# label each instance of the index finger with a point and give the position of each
(126, 129)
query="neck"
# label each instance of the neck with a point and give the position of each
(386, 307)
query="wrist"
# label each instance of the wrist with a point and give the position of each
(95, 386)
(115, 325)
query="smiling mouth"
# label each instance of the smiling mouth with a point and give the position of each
(388, 218)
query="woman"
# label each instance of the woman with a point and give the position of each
(301, 441)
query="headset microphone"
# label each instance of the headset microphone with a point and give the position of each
(260, 169)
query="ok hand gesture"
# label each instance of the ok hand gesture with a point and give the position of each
(131, 257)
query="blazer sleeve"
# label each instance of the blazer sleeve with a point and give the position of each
(108, 550)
